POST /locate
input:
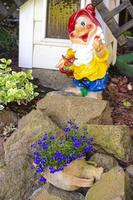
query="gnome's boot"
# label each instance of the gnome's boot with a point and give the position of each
(73, 90)
(95, 95)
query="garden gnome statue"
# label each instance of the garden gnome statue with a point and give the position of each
(86, 62)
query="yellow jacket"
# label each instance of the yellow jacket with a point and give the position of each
(96, 69)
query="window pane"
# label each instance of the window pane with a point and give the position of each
(58, 14)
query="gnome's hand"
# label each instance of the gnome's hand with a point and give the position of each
(99, 46)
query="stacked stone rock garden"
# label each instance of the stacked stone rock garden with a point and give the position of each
(113, 151)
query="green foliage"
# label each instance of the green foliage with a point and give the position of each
(8, 40)
(15, 86)
(128, 33)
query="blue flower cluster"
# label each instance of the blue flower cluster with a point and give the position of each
(55, 154)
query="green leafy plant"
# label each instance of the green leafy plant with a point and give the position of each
(128, 33)
(15, 86)
(127, 104)
(56, 153)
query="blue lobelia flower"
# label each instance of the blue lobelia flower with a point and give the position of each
(37, 160)
(76, 127)
(36, 154)
(41, 165)
(39, 142)
(45, 147)
(45, 136)
(61, 158)
(52, 170)
(74, 138)
(57, 154)
(74, 157)
(82, 136)
(91, 139)
(67, 137)
(33, 145)
(42, 179)
(87, 149)
(80, 155)
(52, 137)
(60, 169)
(76, 144)
(70, 123)
(39, 170)
(44, 160)
(66, 129)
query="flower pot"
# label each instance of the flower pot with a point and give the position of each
(77, 174)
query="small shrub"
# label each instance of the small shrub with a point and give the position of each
(15, 86)
(8, 40)
(56, 153)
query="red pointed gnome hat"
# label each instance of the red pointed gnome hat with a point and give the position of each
(89, 11)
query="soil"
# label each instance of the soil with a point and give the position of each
(120, 96)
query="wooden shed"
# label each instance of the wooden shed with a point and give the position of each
(43, 34)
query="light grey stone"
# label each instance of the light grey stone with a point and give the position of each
(59, 93)
(6, 118)
(129, 170)
(104, 160)
(111, 186)
(50, 192)
(82, 109)
(114, 140)
(52, 78)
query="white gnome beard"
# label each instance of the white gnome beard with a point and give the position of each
(84, 53)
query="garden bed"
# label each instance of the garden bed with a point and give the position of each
(119, 94)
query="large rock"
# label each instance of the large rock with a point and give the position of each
(2, 152)
(60, 93)
(50, 192)
(7, 117)
(104, 160)
(130, 173)
(82, 109)
(114, 140)
(112, 186)
(17, 179)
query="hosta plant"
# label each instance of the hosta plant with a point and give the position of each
(15, 86)
(53, 154)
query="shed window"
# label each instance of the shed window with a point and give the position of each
(58, 13)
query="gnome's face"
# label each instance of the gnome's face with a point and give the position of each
(83, 31)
